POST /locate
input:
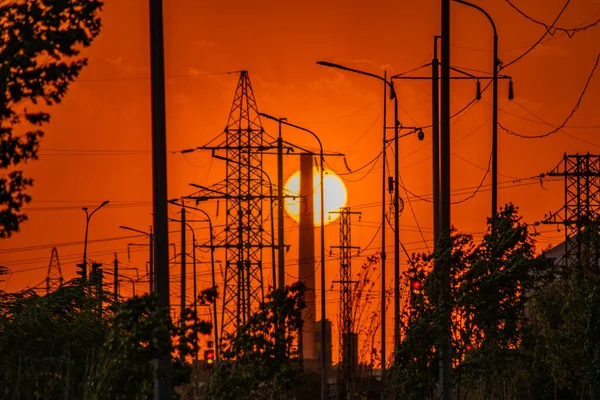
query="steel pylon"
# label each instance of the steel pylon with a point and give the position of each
(245, 189)
(581, 212)
(54, 278)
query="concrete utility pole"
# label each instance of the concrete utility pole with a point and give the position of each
(445, 371)
(183, 269)
(383, 225)
(435, 140)
(116, 278)
(183, 275)
(162, 364)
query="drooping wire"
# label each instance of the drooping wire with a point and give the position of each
(548, 29)
(469, 197)
(401, 184)
(570, 32)
(562, 125)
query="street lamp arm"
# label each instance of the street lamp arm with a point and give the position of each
(134, 230)
(186, 224)
(483, 11)
(97, 208)
(338, 66)
(305, 130)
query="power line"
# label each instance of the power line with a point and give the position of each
(147, 78)
(478, 187)
(540, 120)
(575, 108)
(551, 29)
(548, 29)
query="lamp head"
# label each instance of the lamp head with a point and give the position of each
(331, 65)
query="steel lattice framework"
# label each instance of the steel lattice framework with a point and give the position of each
(244, 192)
(581, 212)
(54, 278)
(348, 337)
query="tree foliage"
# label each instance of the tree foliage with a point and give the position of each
(266, 360)
(61, 346)
(48, 345)
(491, 283)
(39, 58)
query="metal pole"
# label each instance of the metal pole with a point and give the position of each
(280, 233)
(162, 364)
(116, 278)
(87, 223)
(195, 299)
(323, 289)
(445, 371)
(383, 225)
(495, 126)
(495, 65)
(151, 261)
(214, 282)
(323, 310)
(183, 273)
(435, 141)
(396, 229)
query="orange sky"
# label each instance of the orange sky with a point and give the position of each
(97, 146)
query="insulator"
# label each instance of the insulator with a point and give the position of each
(478, 90)
(390, 184)
(511, 90)
(392, 91)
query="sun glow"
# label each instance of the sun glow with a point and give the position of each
(335, 195)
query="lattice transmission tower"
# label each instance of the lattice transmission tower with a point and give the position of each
(54, 278)
(348, 337)
(581, 213)
(244, 237)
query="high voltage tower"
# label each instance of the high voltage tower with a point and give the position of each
(244, 192)
(581, 213)
(348, 336)
(54, 278)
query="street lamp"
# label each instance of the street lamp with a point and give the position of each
(496, 65)
(183, 273)
(322, 216)
(88, 216)
(393, 95)
(212, 264)
(151, 254)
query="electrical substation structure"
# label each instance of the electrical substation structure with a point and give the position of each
(244, 237)
(54, 278)
(580, 214)
(348, 353)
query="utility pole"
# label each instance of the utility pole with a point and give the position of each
(162, 364)
(383, 225)
(151, 261)
(183, 272)
(116, 278)
(435, 141)
(280, 230)
(397, 275)
(445, 370)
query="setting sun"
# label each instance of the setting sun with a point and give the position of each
(335, 197)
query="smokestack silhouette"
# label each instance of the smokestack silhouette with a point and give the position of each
(306, 256)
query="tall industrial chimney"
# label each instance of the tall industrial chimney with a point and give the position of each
(306, 254)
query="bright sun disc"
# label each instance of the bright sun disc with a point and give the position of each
(335, 196)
